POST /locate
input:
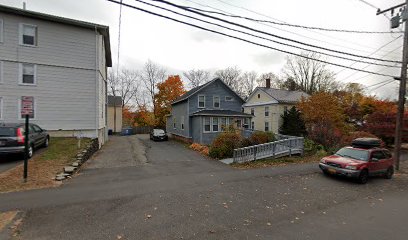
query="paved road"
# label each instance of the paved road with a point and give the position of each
(178, 194)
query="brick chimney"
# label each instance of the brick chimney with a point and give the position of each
(268, 83)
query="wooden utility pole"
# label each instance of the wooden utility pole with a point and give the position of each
(403, 84)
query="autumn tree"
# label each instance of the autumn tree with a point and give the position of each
(151, 75)
(310, 76)
(128, 117)
(197, 77)
(324, 118)
(292, 123)
(168, 91)
(144, 117)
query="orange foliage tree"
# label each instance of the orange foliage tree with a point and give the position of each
(128, 117)
(169, 91)
(144, 117)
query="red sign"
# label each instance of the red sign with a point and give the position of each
(27, 105)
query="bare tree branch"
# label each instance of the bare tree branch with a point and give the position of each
(152, 74)
(197, 77)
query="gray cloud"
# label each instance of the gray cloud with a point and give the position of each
(268, 58)
(202, 36)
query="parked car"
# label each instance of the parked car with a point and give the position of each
(12, 138)
(359, 161)
(158, 134)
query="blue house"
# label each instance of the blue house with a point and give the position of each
(205, 111)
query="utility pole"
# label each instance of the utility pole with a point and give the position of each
(395, 21)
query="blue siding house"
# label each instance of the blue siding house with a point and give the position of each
(203, 112)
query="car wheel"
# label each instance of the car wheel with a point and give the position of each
(363, 177)
(47, 142)
(389, 173)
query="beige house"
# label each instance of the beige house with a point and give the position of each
(268, 104)
(115, 113)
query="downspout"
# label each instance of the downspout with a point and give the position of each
(96, 85)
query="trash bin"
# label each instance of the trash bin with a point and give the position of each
(127, 131)
(110, 132)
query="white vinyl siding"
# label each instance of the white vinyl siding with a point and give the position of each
(28, 34)
(27, 74)
(1, 72)
(1, 108)
(229, 99)
(201, 101)
(216, 102)
(1, 30)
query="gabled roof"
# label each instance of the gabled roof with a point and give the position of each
(216, 112)
(195, 90)
(102, 29)
(114, 101)
(282, 96)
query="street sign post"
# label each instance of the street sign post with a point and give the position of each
(27, 110)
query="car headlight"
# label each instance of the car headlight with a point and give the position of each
(351, 167)
(322, 160)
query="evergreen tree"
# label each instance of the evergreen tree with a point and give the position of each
(293, 123)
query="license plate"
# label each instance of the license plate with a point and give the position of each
(331, 170)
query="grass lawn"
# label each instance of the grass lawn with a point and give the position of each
(269, 162)
(43, 166)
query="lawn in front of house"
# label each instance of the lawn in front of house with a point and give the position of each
(270, 162)
(43, 166)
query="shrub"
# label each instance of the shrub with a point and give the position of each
(312, 147)
(223, 146)
(246, 142)
(261, 137)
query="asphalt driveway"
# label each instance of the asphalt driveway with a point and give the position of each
(179, 194)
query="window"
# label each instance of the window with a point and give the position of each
(201, 101)
(216, 101)
(36, 128)
(253, 125)
(378, 155)
(1, 30)
(207, 124)
(266, 126)
(239, 123)
(230, 121)
(1, 108)
(386, 152)
(28, 35)
(27, 103)
(182, 122)
(223, 123)
(252, 111)
(174, 123)
(246, 123)
(266, 111)
(259, 95)
(28, 74)
(228, 99)
(215, 127)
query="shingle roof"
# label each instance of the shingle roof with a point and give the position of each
(114, 100)
(212, 112)
(285, 96)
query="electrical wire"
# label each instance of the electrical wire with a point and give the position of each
(273, 35)
(242, 39)
(263, 38)
(382, 85)
(294, 25)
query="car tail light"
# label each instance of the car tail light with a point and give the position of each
(20, 136)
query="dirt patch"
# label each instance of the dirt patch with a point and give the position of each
(6, 218)
(43, 166)
(272, 162)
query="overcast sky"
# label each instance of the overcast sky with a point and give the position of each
(178, 47)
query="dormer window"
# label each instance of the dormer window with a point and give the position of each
(216, 101)
(201, 101)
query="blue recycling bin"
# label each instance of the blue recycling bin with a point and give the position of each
(127, 131)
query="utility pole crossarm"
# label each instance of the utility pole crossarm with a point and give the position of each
(389, 9)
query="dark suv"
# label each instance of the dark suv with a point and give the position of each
(12, 138)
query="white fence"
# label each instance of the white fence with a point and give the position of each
(285, 146)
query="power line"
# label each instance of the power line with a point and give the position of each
(382, 85)
(261, 14)
(268, 39)
(295, 25)
(242, 39)
(273, 35)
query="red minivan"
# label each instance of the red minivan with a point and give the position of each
(359, 163)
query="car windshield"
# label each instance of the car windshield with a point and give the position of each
(7, 132)
(353, 153)
(158, 131)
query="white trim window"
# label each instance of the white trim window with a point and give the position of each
(216, 102)
(253, 111)
(228, 99)
(266, 126)
(174, 123)
(28, 74)
(1, 108)
(266, 111)
(207, 124)
(246, 123)
(33, 104)
(201, 101)
(182, 122)
(1, 30)
(28, 34)
(223, 123)
(215, 124)
(1, 72)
